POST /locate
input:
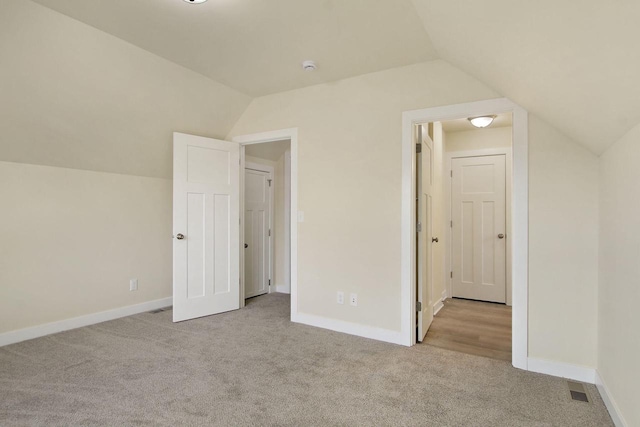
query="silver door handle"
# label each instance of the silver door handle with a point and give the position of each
(246, 246)
(500, 236)
(180, 236)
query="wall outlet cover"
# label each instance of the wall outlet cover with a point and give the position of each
(340, 297)
(353, 300)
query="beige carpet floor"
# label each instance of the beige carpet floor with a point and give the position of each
(254, 367)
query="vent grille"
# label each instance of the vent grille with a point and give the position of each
(160, 310)
(577, 391)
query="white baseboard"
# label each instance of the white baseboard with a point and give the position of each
(563, 370)
(283, 289)
(616, 416)
(19, 335)
(440, 303)
(386, 335)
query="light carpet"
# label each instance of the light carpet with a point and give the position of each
(255, 367)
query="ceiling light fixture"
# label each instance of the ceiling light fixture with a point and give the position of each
(195, 1)
(309, 66)
(482, 121)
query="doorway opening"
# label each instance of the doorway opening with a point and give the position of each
(267, 201)
(278, 149)
(209, 224)
(463, 235)
(465, 215)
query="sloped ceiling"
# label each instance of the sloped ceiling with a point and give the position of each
(257, 46)
(574, 63)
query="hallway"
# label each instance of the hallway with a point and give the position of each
(472, 327)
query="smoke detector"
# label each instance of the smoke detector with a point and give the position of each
(309, 66)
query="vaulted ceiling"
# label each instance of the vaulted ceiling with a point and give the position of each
(574, 63)
(257, 46)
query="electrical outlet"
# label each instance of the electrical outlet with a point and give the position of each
(133, 284)
(353, 300)
(340, 297)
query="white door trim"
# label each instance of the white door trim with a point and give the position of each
(270, 170)
(272, 136)
(448, 157)
(519, 209)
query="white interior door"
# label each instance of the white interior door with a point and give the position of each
(478, 192)
(424, 254)
(206, 225)
(257, 224)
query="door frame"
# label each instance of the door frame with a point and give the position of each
(261, 138)
(271, 247)
(519, 217)
(448, 256)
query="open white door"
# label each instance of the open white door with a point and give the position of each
(257, 230)
(424, 256)
(206, 225)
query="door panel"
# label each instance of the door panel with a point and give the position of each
(424, 254)
(478, 210)
(257, 222)
(206, 212)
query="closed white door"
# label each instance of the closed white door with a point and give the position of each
(257, 220)
(424, 253)
(206, 217)
(478, 187)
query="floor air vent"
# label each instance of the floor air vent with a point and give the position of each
(160, 310)
(578, 392)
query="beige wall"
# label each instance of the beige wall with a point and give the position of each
(279, 223)
(349, 181)
(73, 96)
(349, 189)
(72, 239)
(619, 293)
(479, 139)
(563, 247)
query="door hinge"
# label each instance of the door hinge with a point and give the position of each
(269, 232)
(451, 173)
(419, 227)
(269, 180)
(269, 282)
(451, 275)
(418, 148)
(418, 306)
(451, 224)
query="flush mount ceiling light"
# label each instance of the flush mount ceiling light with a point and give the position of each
(195, 1)
(309, 66)
(482, 121)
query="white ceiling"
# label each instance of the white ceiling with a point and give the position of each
(574, 63)
(257, 46)
(462, 125)
(269, 151)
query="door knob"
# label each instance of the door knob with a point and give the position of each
(434, 240)
(500, 236)
(246, 246)
(180, 236)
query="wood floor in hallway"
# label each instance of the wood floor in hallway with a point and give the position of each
(472, 327)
